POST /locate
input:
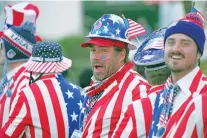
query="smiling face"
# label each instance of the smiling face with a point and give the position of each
(181, 53)
(105, 61)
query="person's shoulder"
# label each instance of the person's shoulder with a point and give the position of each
(137, 76)
(71, 86)
(202, 85)
(157, 88)
(19, 72)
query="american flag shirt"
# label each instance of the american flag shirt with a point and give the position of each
(48, 108)
(188, 118)
(117, 92)
(18, 78)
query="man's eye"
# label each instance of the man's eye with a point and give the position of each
(186, 43)
(104, 50)
(170, 42)
(92, 50)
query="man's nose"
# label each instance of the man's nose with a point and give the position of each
(177, 47)
(96, 55)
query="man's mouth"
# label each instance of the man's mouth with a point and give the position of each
(177, 57)
(98, 68)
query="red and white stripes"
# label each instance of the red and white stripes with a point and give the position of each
(40, 106)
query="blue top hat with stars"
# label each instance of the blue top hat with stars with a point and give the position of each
(151, 51)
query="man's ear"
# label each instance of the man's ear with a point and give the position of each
(122, 55)
(198, 55)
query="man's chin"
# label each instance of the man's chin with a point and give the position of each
(98, 77)
(176, 70)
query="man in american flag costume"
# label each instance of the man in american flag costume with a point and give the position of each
(114, 83)
(15, 54)
(178, 109)
(49, 107)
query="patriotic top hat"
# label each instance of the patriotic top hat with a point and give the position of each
(151, 51)
(109, 26)
(47, 58)
(19, 13)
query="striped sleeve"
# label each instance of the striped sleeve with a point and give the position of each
(18, 118)
(136, 120)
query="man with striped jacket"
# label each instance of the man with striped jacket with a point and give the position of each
(49, 107)
(114, 83)
(14, 55)
(176, 108)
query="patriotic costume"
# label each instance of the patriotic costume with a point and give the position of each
(49, 106)
(181, 113)
(188, 118)
(14, 52)
(16, 15)
(172, 110)
(106, 99)
(136, 119)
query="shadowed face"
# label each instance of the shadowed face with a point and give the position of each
(105, 61)
(181, 53)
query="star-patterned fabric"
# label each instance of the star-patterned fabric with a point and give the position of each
(53, 107)
(110, 26)
(47, 50)
(74, 103)
(164, 110)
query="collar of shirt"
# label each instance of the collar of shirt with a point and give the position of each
(185, 82)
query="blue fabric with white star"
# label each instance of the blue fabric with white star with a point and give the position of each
(47, 50)
(74, 103)
(162, 108)
(110, 26)
(151, 56)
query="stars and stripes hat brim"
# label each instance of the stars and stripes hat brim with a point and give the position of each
(151, 51)
(103, 42)
(47, 58)
(49, 67)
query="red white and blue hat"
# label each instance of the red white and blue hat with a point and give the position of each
(18, 42)
(47, 57)
(192, 26)
(151, 51)
(19, 13)
(111, 27)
